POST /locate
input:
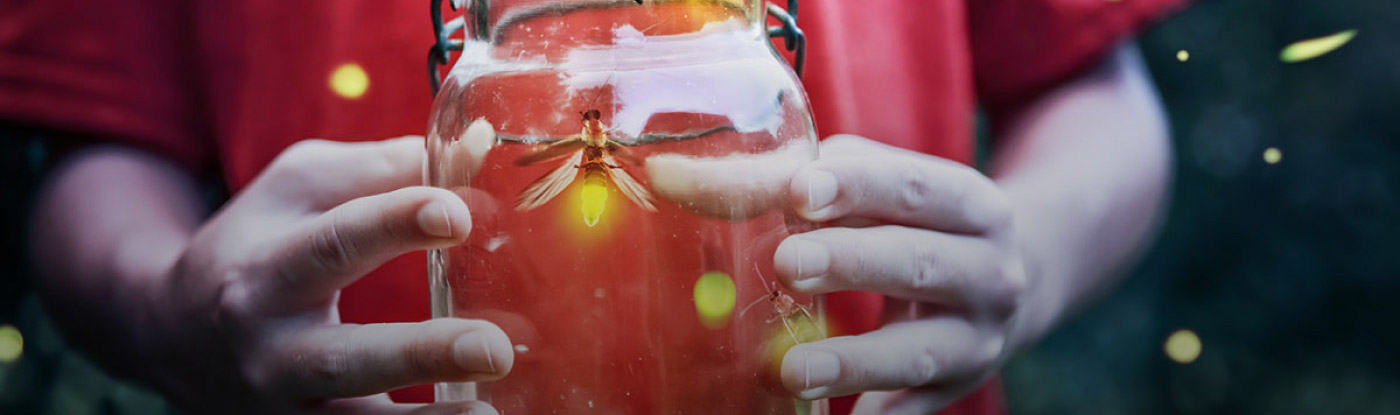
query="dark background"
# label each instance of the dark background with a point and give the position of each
(1288, 272)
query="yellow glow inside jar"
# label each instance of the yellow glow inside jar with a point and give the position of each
(595, 198)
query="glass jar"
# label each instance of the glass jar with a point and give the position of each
(626, 164)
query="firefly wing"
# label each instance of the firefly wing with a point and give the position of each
(617, 150)
(549, 185)
(552, 151)
(629, 186)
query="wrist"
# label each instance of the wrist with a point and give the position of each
(144, 261)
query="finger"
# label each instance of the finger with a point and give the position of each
(899, 355)
(357, 360)
(907, 263)
(911, 401)
(898, 187)
(318, 174)
(737, 186)
(365, 406)
(348, 241)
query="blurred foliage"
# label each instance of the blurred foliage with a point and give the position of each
(1289, 272)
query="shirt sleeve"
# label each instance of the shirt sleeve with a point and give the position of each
(1021, 48)
(116, 71)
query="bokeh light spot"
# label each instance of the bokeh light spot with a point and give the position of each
(1183, 55)
(349, 81)
(1311, 48)
(714, 298)
(1183, 346)
(11, 344)
(1272, 155)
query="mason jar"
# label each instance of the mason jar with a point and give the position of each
(626, 164)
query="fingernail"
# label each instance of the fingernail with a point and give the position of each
(474, 355)
(821, 192)
(803, 258)
(433, 219)
(819, 369)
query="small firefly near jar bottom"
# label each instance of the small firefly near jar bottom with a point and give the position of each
(626, 165)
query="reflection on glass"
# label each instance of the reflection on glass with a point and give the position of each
(626, 167)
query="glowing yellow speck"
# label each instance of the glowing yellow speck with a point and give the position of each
(1311, 48)
(595, 198)
(1272, 155)
(1183, 346)
(349, 81)
(1183, 55)
(11, 344)
(714, 299)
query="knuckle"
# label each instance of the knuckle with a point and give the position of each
(1008, 288)
(987, 207)
(330, 249)
(264, 375)
(992, 349)
(330, 367)
(915, 191)
(929, 270)
(993, 210)
(320, 364)
(926, 365)
(432, 352)
(233, 304)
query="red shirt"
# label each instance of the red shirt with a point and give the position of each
(234, 83)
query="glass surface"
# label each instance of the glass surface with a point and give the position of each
(626, 167)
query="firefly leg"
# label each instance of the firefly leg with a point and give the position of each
(754, 303)
(812, 320)
(791, 333)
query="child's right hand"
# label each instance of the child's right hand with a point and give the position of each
(246, 322)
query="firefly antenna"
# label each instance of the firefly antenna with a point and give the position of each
(606, 82)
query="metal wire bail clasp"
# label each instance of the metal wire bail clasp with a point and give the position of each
(793, 38)
(443, 44)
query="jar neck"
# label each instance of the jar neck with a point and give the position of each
(591, 22)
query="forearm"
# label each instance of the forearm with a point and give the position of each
(108, 223)
(1086, 169)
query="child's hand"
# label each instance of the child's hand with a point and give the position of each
(936, 238)
(933, 235)
(248, 324)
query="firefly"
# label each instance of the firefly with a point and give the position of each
(785, 308)
(592, 155)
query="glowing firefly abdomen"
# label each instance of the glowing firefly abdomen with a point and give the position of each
(595, 194)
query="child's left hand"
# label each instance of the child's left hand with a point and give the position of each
(932, 235)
